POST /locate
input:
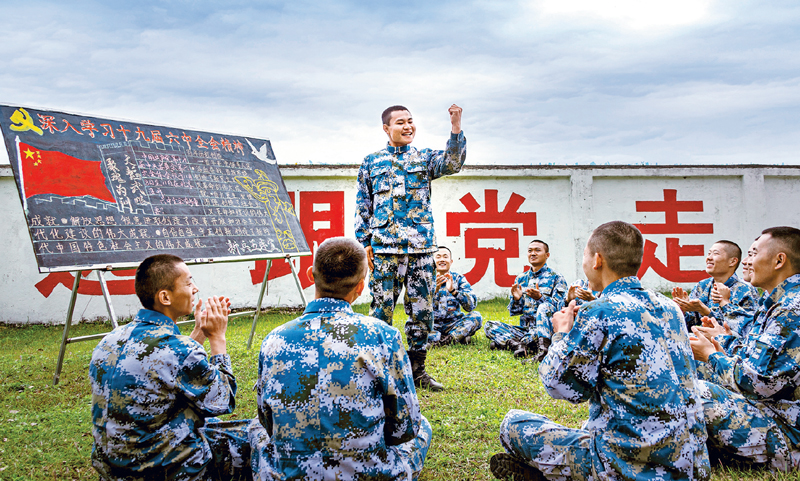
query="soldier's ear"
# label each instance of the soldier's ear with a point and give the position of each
(163, 297)
(598, 261)
(310, 273)
(780, 260)
(386, 129)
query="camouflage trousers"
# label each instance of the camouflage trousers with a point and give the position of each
(230, 449)
(458, 327)
(502, 333)
(559, 452)
(416, 272)
(413, 453)
(742, 428)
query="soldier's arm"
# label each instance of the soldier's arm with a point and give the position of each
(466, 298)
(363, 206)
(570, 369)
(740, 311)
(207, 383)
(768, 364)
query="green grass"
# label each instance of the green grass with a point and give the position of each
(45, 431)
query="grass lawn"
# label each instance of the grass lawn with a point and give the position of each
(45, 431)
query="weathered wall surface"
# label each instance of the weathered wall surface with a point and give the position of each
(486, 215)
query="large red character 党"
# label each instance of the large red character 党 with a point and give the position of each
(321, 215)
(120, 287)
(509, 235)
(670, 206)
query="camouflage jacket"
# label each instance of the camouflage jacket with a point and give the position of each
(334, 393)
(152, 388)
(767, 366)
(393, 202)
(447, 307)
(628, 354)
(738, 312)
(551, 284)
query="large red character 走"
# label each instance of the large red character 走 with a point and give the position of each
(670, 206)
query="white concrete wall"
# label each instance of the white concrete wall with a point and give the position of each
(568, 202)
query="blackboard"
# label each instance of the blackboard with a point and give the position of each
(101, 193)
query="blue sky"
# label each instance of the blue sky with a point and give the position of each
(540, 81)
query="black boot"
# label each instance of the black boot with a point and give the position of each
(421, 378)
(505, 466)
(443, 341)
(544, 346)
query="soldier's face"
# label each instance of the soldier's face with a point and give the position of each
(763, 263)
(401, 128)
(747, 264)
(718, 261)
(592, 275)
(443, 261)
(183, 291)
(537, 255)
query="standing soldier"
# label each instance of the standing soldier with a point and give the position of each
(394, 223)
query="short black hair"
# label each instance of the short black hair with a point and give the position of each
(733, 250)
(154, 274)
(447, 249)
(788, 239)
(621, 245)
(339, 264)
(386, 116)
(546, 247)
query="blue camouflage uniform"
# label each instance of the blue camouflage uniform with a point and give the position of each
(628, 354)
(336, 400)
(544, 317)
(738, 312)
(553, 288)
(753, 411)
(448, 320)
(393, 215)
(154, 395)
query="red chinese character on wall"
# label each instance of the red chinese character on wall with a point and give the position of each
(321, 215)
(121, 287)
(491, 215)
(671, 206)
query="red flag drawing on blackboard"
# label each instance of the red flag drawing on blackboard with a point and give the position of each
(53, 172)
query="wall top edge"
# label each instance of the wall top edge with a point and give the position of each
(351, 170)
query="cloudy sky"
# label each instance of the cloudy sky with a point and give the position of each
(540, 81)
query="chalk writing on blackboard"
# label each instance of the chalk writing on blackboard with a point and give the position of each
(100, 192)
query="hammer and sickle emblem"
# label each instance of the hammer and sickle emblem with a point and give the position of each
(24, 121)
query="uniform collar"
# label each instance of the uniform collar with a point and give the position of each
(624, 283)
(789, 286)
(398, 150)
(149, 316)
(328, 304)
(541, 271)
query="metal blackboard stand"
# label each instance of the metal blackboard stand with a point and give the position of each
(113, 318)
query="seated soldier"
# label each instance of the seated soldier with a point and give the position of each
(737, 315)
(453, 293)
(335, 393)
(154, 391)
(578, 290)
(721, 264)
(628, 354)
(757, 416)
(532, 290)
